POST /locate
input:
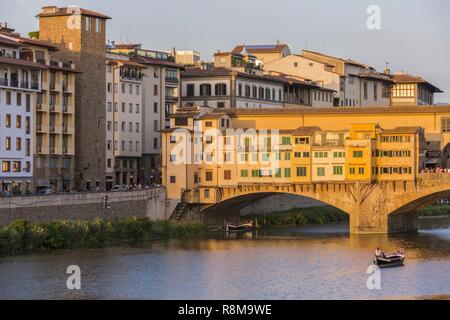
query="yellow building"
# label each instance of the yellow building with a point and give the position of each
(216, 153)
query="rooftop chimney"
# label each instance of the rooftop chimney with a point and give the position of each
(49, 9)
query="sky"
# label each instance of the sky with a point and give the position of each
(414, 35)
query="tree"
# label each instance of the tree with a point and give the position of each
(33, 34)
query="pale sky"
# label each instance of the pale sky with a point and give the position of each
(414, 35)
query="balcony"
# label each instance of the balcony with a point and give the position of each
(24, 84)
(66, 129)
(52, 108)
(4, 82)
(14, 83)
(52, 86)
(41, 128)
(35, 85)
(52, 150)
(173, 98)
(172, 80)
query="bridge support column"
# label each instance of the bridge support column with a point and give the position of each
(402, 222)
(368, 222)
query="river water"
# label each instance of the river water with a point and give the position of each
(312, 262)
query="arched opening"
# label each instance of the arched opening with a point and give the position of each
(233, 209)
(405, 218)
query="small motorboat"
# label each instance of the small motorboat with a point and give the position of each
(391, 260)
(239, 228)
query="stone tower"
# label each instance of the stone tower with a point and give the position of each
(80, 35)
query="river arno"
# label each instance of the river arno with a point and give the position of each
(313, 262)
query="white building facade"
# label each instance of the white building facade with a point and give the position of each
(20, 80)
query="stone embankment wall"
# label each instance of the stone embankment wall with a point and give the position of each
(85, 206)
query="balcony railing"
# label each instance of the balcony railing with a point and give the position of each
(52, 128)
(64, 150)
(39, 149)
(65, 108)
(24, 84)
(14, 83)
(4, 82)
(34, 85)
(52, 86)
(172, 80)
(52, 149)
(52, 107)
(171, 97)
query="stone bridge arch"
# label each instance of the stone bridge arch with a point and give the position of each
(383, 207)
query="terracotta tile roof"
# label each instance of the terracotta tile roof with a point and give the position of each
(67, 11)
(374, 75)
(153, 61)
(260, 48)
(212, 116)
(407, 78)
(402, 130)
(127, 63)
(40, 43)
(23, 63)
(305, 131)
(222, 71)
(338, 110)
(126, 46)
(9, 43)
(349, 61)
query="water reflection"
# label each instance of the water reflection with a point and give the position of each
(313, 262)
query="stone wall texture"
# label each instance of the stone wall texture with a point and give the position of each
(85, 206)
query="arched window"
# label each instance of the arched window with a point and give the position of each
(220, 89)
(268, 93)
(205, 89)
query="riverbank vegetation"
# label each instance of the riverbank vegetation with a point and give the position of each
(302, 216)
(22, 236)
(435, 210)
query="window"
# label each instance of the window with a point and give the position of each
(287, 156)
(130, 108)
(18, 144)
(19, 99)
(109, 106)
(137, 127)
(206, 193)
(155, 107)
(123, 88)
(8, 143)
(227, 174)
(220, 89)
(137, 107)
(87, 20)
(97, 25)
(130, 89)
(366, 93)
(17, 166)
(8, 121)
(301, 140)
(18, 121)
(181, 121)
(137, 90)
(287, 172)
(375, 92)
(244, 173)
(361, 170)
(8, 98)
(172, 179)
(240, 89)
(155, 125)
(445, 124)
(357, 154)
(286, 140)
(155, 90)
(205, 89)
(190, 90)
(277, 173)
(386, 90)
(221, 104)
(301, 171)
(320, 171)
(155, 143)
(337, 170)
(6, 166)
(352, 170)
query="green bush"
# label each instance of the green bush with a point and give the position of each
(22, 236)
(302, 216)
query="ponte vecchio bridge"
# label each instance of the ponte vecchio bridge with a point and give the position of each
(382, 207)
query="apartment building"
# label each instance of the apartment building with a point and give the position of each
(220, 87)
(265, 53)
(187, 57)
(124, 97)
(20, 80)
(356, 84)
(53, 113)
(412, 90)
(80, 36)
(364, 152)
(160, 99)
